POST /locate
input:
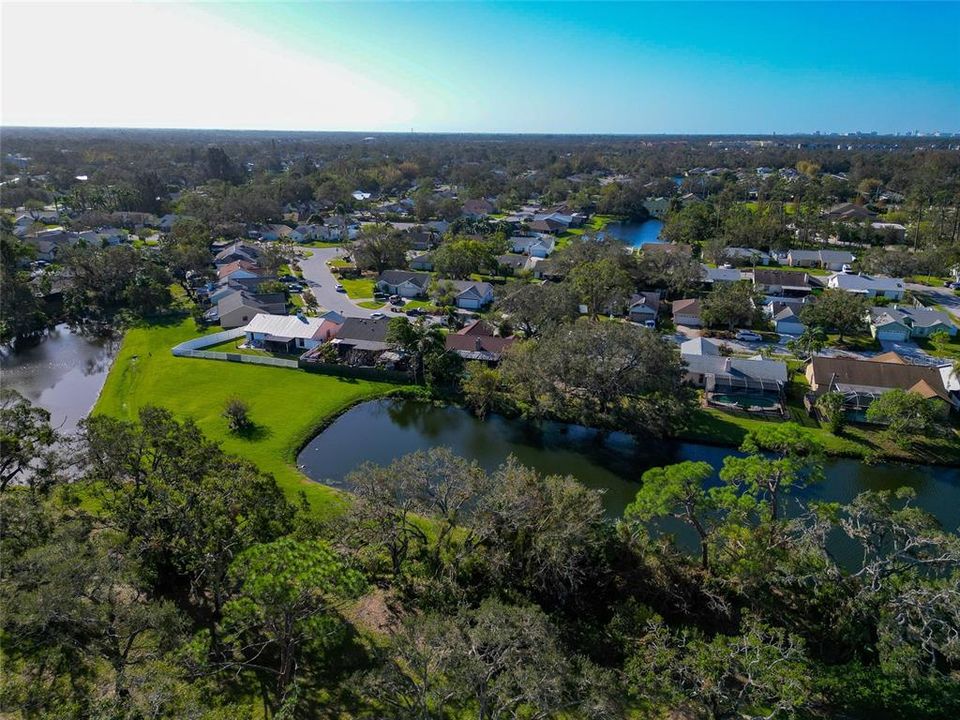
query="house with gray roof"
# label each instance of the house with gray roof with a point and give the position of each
(404, 283)
(902, 323)
(470, 295)
(869, 285)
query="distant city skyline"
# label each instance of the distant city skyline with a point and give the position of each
(586, 68)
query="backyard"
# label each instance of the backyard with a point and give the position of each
(287, 406)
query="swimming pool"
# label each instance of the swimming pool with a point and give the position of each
(747, 400)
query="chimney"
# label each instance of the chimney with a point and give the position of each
(477, 344)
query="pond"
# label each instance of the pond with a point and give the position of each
(383, 430)
(62, 373)
(636, 234)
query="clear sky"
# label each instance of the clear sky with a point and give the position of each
(487, 67)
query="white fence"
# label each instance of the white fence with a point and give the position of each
(191, 348)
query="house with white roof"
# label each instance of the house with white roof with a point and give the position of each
(537, 246)
(290, 333)
(869, 285)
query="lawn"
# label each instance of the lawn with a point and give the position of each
(715, 427)
(288, 406)
(358, 288)
(322, 244)
(950, 351)
(371, 304)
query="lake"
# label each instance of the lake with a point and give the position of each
(380, 431)
(636, 234)
(63, 373)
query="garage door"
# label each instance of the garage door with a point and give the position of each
(895, 335)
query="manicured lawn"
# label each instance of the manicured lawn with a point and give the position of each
(287, 405)
(951, 351)
(371, 304)
(926, 280)
(358, 288)
(321, 244)
(855, 343)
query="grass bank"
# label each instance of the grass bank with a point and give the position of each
(288, 406)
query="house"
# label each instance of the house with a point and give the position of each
(240, 307)
(902, 323)
(289, 333)
(422, 262)
(166, 222)
(681, 249)
(783, 283)
(863, 381)
(786, 318)
(239, 269)
(754, 384)
(511, 263)
(538, 246)
(477, 208)
(338, 229)
(237, 251)
(845, 212)
(361, 341)
(272, 232)
(477, 341)
(891, 232)
(360, 195)
(470, 295)
(305, 233)
(644, 307)
(548, 270)
(686, 312)
(826, 259)
(871, 286)
(404, 283)
(548, 226)
(746, 256)
(232, 284)
(713, 275)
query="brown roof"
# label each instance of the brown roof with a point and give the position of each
(783, 278)
(477, 328)
(689, 306)
(889, 357)
(478, 343)
(850, 371)
(236, 265)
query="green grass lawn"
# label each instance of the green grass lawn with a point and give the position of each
(288, 406)
(951, 351)
(932, 280)
(358, 288)
(371, 304)
(321, 244)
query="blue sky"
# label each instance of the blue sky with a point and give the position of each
(512, 67)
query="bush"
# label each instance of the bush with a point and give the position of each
(237, 413)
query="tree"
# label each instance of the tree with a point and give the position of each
(289, 593)
(730, 304)
(380, 247)
(602, 374)
(691, 225)
(831, 407)
(481, 387)
(602, 286)
(780, 457)
(811, 341)
(418, 339)
(461, 257)
(27, 454)
(536, 308)
(906, 413)
(237, 413)
(678, 491)
(940, 340)
(838, 310)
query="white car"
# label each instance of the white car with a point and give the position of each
(747, 336)
(377, 315)
(846, 269)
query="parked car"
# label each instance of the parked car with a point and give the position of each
(846, 269)
(295, 287)
(340, 288)
(377, 315)
(650, 323)
(396, 300)
(287, 278)
(748, 336)
(415, 312)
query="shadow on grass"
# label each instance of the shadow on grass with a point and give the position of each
(253, 433)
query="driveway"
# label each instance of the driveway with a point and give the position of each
(323, 284)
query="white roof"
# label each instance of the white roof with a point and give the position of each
(700, 346)
(848, 281)
(286, 326)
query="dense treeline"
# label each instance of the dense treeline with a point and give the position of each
(167, 579)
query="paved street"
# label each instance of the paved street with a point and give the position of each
(323, 284)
